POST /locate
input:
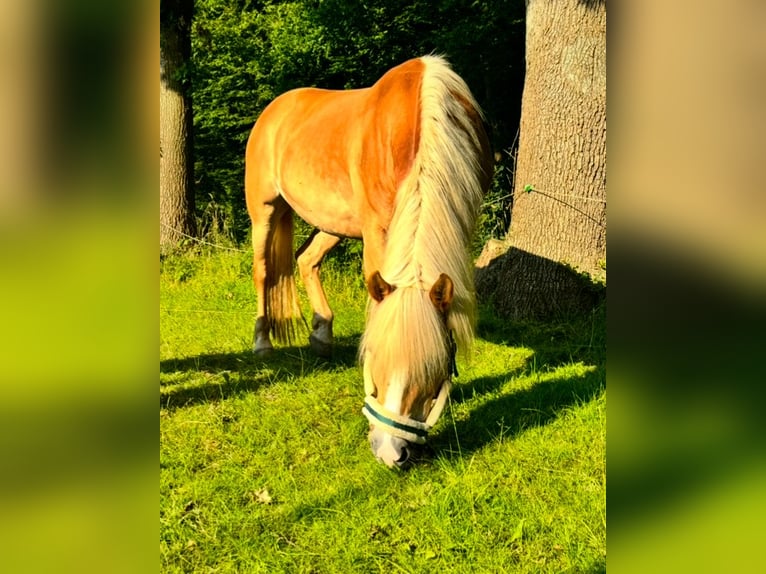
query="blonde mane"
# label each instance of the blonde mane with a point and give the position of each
(430, 232)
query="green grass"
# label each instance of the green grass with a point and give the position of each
(265, 466)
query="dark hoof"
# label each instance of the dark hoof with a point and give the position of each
(320, 348)
(263, 352)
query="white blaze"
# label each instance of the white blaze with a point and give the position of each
(395, 394)
(390, 447)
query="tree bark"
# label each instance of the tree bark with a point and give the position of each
(558, 229)
(176, 160)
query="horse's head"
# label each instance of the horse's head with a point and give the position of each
(409, 356)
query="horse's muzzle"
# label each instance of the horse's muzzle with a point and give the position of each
(390, 450)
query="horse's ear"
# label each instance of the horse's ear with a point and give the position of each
(442, 292)
(378, 287)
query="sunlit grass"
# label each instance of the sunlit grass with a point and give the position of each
(265, 466)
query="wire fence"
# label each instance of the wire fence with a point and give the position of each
(202, 241)
(527, 189)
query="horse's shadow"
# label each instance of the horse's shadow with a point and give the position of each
(231, 374)
(511, 414)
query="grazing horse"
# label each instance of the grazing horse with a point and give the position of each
(403, 165)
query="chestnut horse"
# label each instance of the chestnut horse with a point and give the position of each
(403, 165)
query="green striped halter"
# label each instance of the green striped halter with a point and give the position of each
(404, 427)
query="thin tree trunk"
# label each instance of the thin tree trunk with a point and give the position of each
(176, 163)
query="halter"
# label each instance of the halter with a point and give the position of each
(405, 427)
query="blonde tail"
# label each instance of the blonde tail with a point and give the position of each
(281, 295)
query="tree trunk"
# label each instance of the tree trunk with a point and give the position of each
(558, 229)
(176, 163)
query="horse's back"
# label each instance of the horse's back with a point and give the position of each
(299, 125)
(338, 155)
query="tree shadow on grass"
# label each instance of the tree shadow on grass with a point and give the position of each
(512, 414)
(218, 376)
(580, 339)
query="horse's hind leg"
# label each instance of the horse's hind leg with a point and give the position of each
(310, 257)
(262, 222)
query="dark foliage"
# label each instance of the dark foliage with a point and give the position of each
(246, 53)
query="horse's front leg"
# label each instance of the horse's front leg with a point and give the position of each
(310, 257)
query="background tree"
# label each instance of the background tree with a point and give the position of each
(176, 145)
(558, 227)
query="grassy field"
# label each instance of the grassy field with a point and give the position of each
(265, 465)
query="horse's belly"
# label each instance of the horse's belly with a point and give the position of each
(324, 208)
